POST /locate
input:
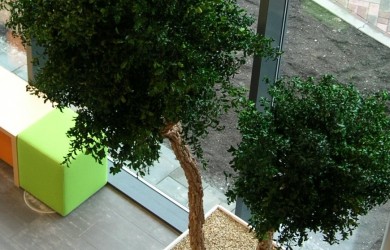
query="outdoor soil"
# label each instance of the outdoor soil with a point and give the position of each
(316, 43)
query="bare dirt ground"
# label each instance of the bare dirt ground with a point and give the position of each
(317, 43)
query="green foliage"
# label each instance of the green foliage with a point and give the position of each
(314, 161)
(132, 67)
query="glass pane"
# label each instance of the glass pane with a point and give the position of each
(12, 52)
(319, 42)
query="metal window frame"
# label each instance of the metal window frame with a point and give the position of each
(271, 23)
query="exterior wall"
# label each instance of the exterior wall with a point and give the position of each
(375, 12)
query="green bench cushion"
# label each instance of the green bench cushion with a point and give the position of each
(41, 149)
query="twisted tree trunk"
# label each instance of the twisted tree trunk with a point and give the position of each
(267, 243)
(195, 191)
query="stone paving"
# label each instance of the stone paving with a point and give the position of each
(375, 12)
(12, 58)
(167, 176)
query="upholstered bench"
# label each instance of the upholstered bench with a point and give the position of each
(18, 110)
(41, 149)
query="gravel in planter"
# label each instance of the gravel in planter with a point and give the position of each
(223, 232)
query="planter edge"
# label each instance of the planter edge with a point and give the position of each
(216, 207)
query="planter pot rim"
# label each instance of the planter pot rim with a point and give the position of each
(216, 207)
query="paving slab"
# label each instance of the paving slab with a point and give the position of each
(161, 168)
(174, 190)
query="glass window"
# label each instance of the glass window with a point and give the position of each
(353, 45)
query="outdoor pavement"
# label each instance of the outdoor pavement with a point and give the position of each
(167, 175)
(371, 17)
(375, 12)
(12, 58)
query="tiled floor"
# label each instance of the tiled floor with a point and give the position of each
(107, 220)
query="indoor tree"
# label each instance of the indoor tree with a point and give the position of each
(314, 160)
(139, 71)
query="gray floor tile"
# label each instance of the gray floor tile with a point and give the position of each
(175, 190)
(167, 152)
(77, 222)
(161, 169)
(107, 220)
(212, 197)
(178, 175)
(10, 224)
(7, 243)
(11, 61)
(15, 205)
(7, 184)
(22, 72)
(112, 233)
(14, 213)
(40, 234)
(149, 224)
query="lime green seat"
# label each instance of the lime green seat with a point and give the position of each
(41, 149)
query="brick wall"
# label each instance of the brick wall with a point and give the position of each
(375, 12)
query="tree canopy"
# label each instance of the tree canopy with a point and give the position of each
(132, 67)
(314, 161)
